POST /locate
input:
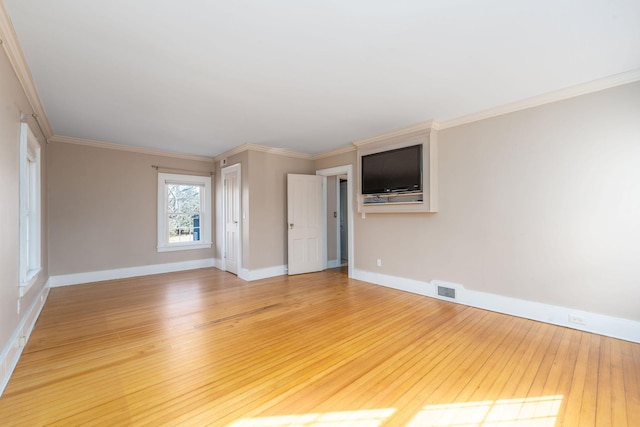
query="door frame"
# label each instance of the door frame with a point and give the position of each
(237, 168)
(339, 170)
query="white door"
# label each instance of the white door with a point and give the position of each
(231, 182)
(304, 212)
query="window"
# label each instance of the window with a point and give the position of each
(184, 212)
(30, 206)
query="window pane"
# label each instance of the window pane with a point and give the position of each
(183, 198)
(196, 227)
(183, 227)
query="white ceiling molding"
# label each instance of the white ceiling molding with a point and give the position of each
(282, 152)
(263, 149)
(130, 148)
(279, 151)
(9, 42)
(547, 98)
(415, 128)
(336, 152)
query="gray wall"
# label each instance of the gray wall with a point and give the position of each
(103, 209)
(264, 205)
(268, 201)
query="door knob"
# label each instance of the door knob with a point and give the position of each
(291, 226)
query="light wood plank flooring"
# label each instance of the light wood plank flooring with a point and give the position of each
(205, 348)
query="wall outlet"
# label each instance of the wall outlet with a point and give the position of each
(379, 262)
(577, 320)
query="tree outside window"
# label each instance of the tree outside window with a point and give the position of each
(183, 212)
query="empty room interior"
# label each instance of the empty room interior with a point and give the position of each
(358, 213)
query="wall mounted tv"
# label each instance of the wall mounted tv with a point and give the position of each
(393, 171)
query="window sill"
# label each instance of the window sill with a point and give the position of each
(184, 247)
(29, 281)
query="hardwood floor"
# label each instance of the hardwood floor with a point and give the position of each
(205, 348)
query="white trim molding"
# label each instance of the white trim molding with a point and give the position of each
(547, 98)
(127, 272)
(421, 127)
(13, 350)
(610, 326)
(262, 273)
(263, 149)
(351, 183)
(333, 263)
(9, 41)
(336, 152)
(122, 147)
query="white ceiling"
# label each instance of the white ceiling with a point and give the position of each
(204, 76)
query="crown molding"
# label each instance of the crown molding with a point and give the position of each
(130, 148)
(415, 128)
(547, 98)
(262, 149)
(336, 152)
(233, 151)
(280, 151)
(11, 46)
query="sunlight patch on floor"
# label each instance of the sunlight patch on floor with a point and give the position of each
(527, 412)
(363, 418)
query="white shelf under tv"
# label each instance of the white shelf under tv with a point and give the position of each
(385, 198)
(425, 201)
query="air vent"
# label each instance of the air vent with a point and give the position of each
(446, 292)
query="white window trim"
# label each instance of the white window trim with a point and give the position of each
(30, 209)
(205, 220)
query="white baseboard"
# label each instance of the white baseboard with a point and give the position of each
(219, 264)
(333, 263)
(262, 273)
(123, 273)
(615, 327)
(13, 350)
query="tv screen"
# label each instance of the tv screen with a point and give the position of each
(392, 171)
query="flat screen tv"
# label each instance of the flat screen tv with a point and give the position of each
(393, 171)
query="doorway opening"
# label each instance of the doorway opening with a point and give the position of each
(338, 217)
